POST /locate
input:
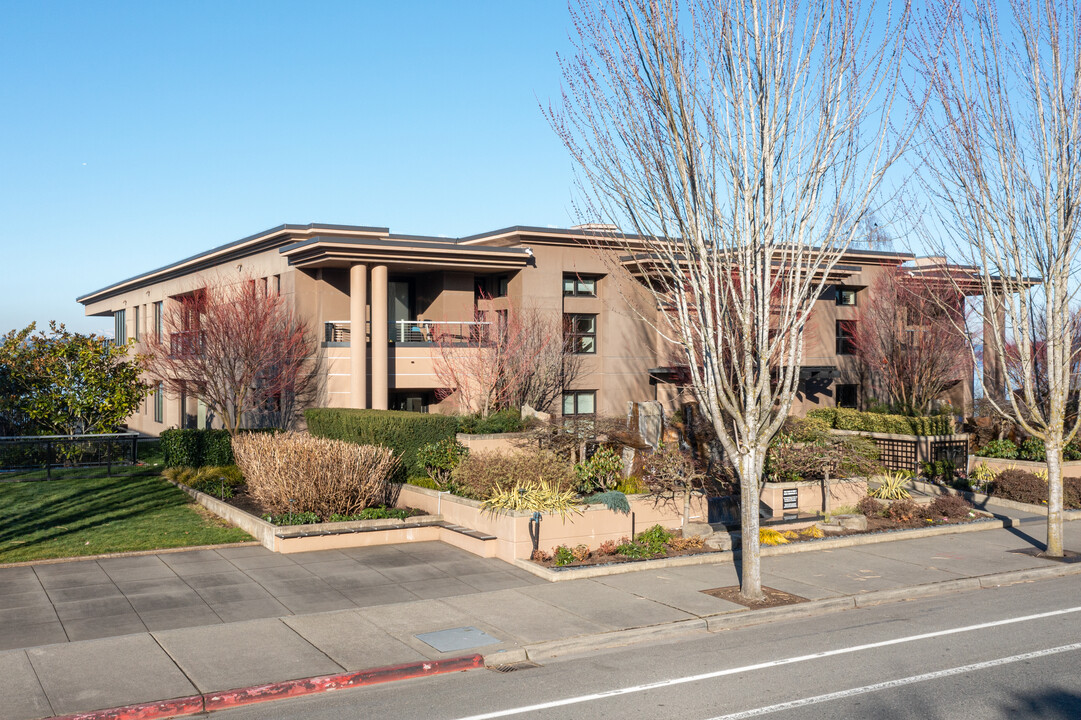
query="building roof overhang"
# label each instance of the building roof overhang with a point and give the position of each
(412, 253)
(267, 239)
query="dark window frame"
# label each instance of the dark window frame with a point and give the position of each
(575, 337)
(576, 394)
(850, 394)
(576, 290)
(838, 293)
(159, 403)
(845, 331)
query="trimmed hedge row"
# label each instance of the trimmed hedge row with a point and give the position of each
(848, 419)
(403, 432)
(196, 448)
(199, 448)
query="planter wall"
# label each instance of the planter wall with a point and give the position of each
(1071, 468)
(596, 525)
(812, 497)
(495, 442)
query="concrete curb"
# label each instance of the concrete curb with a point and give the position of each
(746, 618)
(592, 571)
(208, 702)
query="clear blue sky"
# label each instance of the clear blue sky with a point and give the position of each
(138, 133)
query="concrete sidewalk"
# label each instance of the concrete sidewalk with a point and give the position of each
(183, 624)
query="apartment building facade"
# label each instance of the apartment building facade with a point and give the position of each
(408, 293)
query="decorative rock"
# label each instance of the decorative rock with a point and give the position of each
(719, 541)
(830, 529)
(852, 522)
(693, 529)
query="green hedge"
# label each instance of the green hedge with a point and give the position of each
(403, 432)
(196, 448)
(848, 419)
(199, 448)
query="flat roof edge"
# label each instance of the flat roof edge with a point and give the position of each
(283, 228)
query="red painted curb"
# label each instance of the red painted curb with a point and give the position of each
(144, 711)
(327, 683)
(279, 690)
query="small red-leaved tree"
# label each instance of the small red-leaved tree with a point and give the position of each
(907, 341)
(241, 351)
(507, 358)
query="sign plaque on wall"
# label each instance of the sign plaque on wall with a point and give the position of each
(790, 499)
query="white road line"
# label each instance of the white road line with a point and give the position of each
(793, 704)
(762, 666)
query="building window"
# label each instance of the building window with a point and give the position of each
(264, 287)
(120, 329)
(846, 296)
(136, 327)
(159, 328)
(846, 340)
(277, 287)
(580, 333)
(847, 396)
(578, 286)
(159, 403)
(580, 402)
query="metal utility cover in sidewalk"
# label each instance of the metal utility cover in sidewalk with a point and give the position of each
(456, 639)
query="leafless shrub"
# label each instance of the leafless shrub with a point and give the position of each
(295, 472)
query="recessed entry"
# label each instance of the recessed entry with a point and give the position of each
(456, 639)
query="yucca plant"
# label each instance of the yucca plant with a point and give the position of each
(983, 474)
(893, 486)
(533, 497)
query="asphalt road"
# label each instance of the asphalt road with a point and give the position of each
(1007, 652)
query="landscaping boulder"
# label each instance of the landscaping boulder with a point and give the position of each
(697, 529)
(720, 540)
(852, 522)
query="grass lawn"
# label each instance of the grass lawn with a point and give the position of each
(73, 517)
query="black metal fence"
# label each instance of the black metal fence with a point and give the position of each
(954, 451)
(898, 454)
(48, 452)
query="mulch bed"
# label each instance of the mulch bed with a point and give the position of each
(773, 597)
(874, 525)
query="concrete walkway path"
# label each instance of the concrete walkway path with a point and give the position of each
(87, 635)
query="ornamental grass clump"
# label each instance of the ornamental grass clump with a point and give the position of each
(297, 473)
(892, 486)
(533, 497)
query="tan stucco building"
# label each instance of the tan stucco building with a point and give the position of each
(406, 289)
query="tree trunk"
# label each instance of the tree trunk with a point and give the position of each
(749, 467)
(1054, 499)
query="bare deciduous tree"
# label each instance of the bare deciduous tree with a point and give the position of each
(743, 142)
(241, 351)
(1001, 163)
(515, 358)
(907, 342)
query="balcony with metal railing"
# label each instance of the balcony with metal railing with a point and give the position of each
(415, 332)
(187, 342)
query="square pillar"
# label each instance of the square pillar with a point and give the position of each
(358, 342)
(380, 342)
